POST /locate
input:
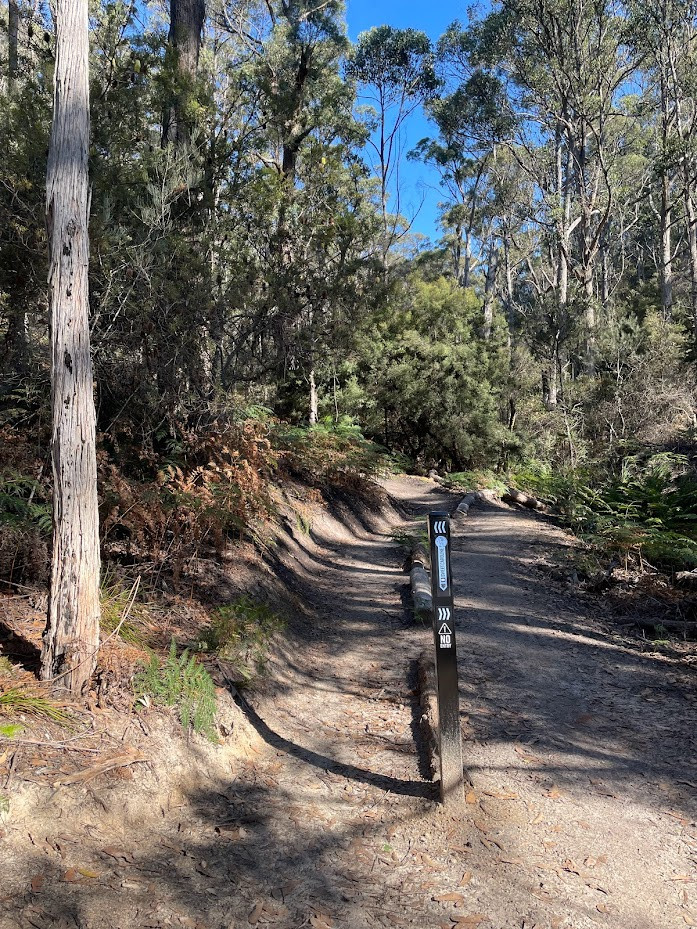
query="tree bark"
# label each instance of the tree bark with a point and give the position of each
(71, 639)
(12, 44)
(666, 249)
(314, 402)
(16, 359)
(666, 216)
(489, 285)
(691, 219)
(185, 31)
(510, 302)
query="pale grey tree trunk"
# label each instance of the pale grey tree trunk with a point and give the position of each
(666, 249)
(314, 400)
(489, 285)
(666, 216)
(691, 220)
(510, 302)
(71, 639)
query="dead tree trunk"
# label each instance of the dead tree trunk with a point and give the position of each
(72, 633)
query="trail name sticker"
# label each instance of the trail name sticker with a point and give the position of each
(441, 545)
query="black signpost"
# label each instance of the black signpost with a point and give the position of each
(450, 741)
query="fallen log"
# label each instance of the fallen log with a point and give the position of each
(419, 556)
(464, 504)
(687, 628)
(686, 578)
(421, 591)
(513, 495)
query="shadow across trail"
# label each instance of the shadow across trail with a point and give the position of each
(392, 785)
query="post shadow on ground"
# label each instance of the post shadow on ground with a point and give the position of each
(384, 782)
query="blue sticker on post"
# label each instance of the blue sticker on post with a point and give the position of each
(449, 737)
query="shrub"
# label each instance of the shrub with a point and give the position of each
(649, 508)
(476, 480)
(183, 683)
(241, 632)
(329, 453)
(209, 484)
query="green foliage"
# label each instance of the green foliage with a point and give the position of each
(10, 730)
(408, 538)
(649, 508)
(436, 383)
(18, 506)
(4, 804)
(329, 453)
(181, 682)
(481, 479)
(398, 61)
(21, 699)
(241, 632)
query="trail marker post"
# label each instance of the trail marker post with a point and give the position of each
(449, 737)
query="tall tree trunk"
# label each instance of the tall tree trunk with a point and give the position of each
(71, 639)
(510, 302)
(691, 219)
(489, 285)
(16, 356)
(314, 402)
(605, 272)
(13, 44)
(666, 249)
(666, 216)
(185, 30)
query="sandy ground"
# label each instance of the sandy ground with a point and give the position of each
(581, 749)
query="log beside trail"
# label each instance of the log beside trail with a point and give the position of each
(521, 499)
(420, 582)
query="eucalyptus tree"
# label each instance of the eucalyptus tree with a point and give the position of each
(308, 132)
(183, 49)
(395, 73)
(565, 65)
(72, 633)
(664, 34)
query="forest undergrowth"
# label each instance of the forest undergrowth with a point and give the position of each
(175, 514)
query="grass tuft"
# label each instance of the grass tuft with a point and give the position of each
(21, 700)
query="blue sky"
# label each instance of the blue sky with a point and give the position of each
(418, 182)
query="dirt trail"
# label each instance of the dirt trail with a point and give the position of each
(582, 753)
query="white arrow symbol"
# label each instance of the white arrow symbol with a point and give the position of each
(444, 614)
(439, 527)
